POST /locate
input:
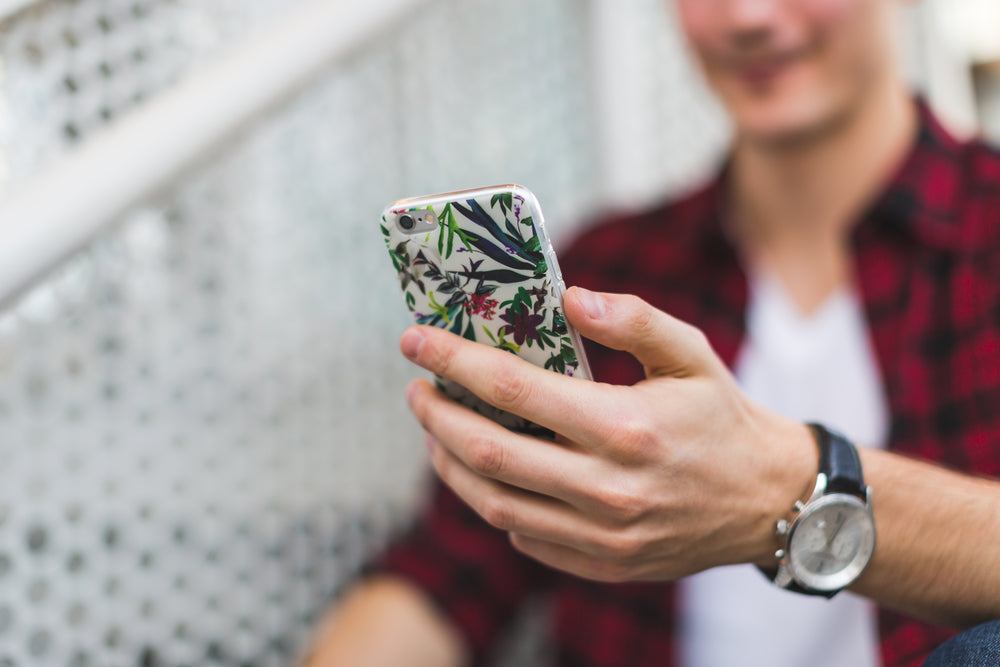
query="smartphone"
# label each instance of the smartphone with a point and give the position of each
(479, 264)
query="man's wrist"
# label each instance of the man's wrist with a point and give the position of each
(796, 462)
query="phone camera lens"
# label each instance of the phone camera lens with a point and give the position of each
(407, 222)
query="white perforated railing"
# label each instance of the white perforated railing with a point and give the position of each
(65, 206)
(202, 431)
(11, 7)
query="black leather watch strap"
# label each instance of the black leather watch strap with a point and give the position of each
(796, 587)
(839, 461)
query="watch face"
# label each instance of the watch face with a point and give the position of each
(831, 543)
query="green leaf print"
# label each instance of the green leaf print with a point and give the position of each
(503, 276)
(456, 320)
(439, 310)
(558, 322)
(462, 295)
(510, 246)
(555, 363)
(544, 338)
(508, 201)
(505, 344)
(565, 358)
(567, 352)
(497, 199)
(504, 199)
(449, 230)
(514, 232)
(470, 332)
(400, 257)
(522, 299)
(443, 234)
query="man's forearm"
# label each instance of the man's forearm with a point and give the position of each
(938, 552)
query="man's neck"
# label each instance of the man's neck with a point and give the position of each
(823, 182)
(795, 203)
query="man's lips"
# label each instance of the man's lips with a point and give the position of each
(760, 71)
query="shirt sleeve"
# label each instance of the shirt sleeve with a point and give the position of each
(467, 567)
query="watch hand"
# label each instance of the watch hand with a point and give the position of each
(836, 529)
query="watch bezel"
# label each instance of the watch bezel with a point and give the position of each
(847, 575)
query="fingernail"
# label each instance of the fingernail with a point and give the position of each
(592, 303)
(410, 342)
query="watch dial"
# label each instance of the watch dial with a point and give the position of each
(832, 542)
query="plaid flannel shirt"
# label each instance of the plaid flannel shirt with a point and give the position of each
(927, 266)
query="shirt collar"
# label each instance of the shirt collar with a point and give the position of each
(921, 200)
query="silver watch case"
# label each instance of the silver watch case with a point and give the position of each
(819, 567)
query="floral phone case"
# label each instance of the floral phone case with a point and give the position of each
(479, 264)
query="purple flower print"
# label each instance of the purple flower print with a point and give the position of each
(522, 323)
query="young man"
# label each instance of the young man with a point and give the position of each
(846, 266)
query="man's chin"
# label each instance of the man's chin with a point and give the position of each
(787, 128)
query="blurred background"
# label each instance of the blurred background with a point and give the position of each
(202, 429)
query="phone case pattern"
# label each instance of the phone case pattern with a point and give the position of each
(500, 295)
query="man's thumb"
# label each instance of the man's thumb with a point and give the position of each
(663, 344)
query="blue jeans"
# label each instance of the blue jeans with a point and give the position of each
(977, 647)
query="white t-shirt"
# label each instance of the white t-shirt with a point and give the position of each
(821, 368)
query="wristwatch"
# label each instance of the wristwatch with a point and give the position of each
(831, 538)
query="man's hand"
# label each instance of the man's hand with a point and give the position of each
(674, 475)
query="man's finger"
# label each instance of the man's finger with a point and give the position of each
(577, 409)
(663, 344)
(490, 450)
(513, 510)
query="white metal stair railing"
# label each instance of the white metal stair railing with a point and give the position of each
(200, 409)
(11, 7)
(71, 202)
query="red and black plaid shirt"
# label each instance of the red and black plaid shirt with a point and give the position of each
(927, 264)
